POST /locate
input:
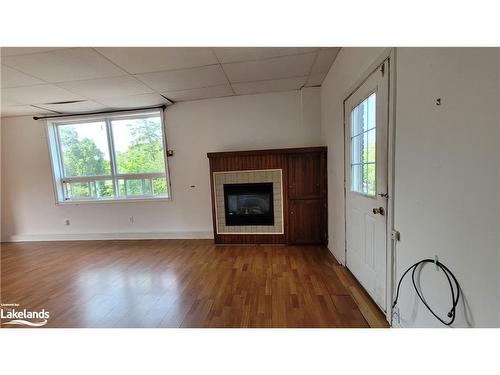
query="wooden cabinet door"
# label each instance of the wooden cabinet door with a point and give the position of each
(306, 221)
(304, 179)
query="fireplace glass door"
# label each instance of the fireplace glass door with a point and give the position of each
(249, 204)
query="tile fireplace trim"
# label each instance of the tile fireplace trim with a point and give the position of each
(221, 228)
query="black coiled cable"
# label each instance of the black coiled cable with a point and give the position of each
(449, 276)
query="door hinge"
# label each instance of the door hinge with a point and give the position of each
(395, 236)
(382, 68)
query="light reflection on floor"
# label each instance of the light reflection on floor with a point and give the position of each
(115, 297)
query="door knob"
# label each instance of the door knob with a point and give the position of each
(379, 210)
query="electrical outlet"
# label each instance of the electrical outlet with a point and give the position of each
(67, 222)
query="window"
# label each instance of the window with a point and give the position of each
(117, 157)
(363, 147)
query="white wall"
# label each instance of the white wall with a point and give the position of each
(447, 173)
(193, 129)
(498, 155)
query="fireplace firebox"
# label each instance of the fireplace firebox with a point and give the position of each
(249, 204)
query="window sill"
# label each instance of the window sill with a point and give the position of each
(129, 200)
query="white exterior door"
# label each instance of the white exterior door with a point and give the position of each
(366, 115)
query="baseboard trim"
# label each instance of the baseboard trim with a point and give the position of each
(332, 251)
(395, 324)
(108, 236)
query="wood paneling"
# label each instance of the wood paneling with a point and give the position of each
(279, 151)
(183, 283)
(304, 168)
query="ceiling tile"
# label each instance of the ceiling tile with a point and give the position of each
(37, 94)
(107, 87)
(64, 65)
(21, 110)
(78, 107)
(135, 101)
(276, 68)
(325, 59)
(235, 54)
(316, 79)
(145, 59)
(199, 93)
(285, 84)
(12, 78)
(12, 51)
(185, 79)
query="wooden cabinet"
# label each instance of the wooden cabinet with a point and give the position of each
(307, 198)
(306, 221)
(304, 180)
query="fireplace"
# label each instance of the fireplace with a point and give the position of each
(297, 198)
(249, 204)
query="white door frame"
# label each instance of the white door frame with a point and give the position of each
(390, 55)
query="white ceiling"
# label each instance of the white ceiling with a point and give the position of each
(73, 80)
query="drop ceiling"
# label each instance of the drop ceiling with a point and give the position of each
(77, 80)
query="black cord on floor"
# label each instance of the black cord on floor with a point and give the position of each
(449, 276)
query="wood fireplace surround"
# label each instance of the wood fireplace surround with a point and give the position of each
(299, 194)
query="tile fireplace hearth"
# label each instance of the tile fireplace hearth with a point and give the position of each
(249, 202)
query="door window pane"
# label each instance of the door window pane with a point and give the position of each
(85, 150)
(356, 177)
(363, 146)
(370, 146)
(355, 147)
(139, 145)
(368, 186)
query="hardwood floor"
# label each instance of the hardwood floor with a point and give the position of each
(183, 283)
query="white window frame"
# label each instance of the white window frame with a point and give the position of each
(56, 156)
